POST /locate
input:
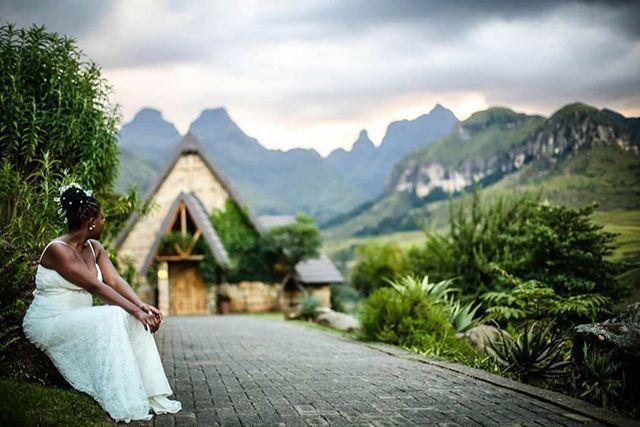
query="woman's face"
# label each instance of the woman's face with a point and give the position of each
(98, 222)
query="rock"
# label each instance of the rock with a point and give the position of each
(337, 320)
(619, 335)
(479, 336)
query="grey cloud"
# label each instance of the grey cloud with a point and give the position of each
(74, 18)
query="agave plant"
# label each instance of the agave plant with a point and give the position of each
(599, 377)
(462, 317)
(308, 305)
(534, 356)
(438, 291)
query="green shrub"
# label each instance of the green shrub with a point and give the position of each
(533, 300)
(308, 305)
(411, 319)
(344, 298)
(532, 240)
(250, 256)
(374, 263)
(58, 126)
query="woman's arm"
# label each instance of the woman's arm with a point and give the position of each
(69, 268)
(111, 277)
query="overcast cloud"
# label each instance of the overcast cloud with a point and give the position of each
(313, 73)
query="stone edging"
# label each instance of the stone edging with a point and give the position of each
(559, 399)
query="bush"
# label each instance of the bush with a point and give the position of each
(374, 263)
(250, 256)
(308, 305)
(530, 239)
(533, 300)
(344, 298)
(413, 320)
(57, 127)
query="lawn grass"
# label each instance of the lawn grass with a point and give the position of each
(26, 404)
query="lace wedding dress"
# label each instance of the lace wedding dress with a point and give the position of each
(100, 350)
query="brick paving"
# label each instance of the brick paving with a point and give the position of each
(238, 370)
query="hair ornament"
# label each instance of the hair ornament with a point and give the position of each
(61, 198)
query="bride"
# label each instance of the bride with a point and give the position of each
(106, 351)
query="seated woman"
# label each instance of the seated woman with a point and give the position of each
(106, 351)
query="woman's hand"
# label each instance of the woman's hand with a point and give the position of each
(147, 308)
(149, 320)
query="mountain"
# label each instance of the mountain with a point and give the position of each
(149, 136)
(578, 155)
(146, 143)
(274, 181)
(368, 166)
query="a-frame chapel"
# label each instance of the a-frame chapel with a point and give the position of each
(187, 191)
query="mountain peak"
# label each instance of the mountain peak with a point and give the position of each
(438, 107)
(218, 114)
(363, 142)
(148, 113)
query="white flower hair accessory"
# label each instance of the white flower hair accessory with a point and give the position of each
(59, 200)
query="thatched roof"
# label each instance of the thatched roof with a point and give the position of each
(188, 145)
(199, 216)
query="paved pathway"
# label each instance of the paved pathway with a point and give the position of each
(243, 370)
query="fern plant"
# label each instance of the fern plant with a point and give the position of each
(533, 300)
(534, 356)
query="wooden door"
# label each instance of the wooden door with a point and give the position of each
(188, 293)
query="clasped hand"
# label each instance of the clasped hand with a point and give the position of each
(150, 316)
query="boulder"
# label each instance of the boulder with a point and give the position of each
(480, 335)
(620, 336)
(339, 321)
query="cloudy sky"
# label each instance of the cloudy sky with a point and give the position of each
(306, 73)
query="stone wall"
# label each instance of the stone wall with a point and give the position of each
(249, 296)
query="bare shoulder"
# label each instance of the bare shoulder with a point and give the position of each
(97, 246)
(55, 254)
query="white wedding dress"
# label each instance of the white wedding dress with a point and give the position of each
(100, 350)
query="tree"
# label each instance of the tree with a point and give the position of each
(294, 243)
(527, 237)
(376, 262)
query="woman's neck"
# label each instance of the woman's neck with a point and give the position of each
(77, 239)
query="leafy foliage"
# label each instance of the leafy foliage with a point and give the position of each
(297, 242)
(527, 237)
(535, 355)
(56, 101)
(263, 257)
(533, 300)
(411, 318)
(598, 380)
(57, 127)
(251, 258)
(308, 305)
(462, 317)
(375, 262)
(175, 243)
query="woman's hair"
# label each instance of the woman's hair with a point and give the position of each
(78, 206)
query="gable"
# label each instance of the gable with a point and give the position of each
(188, 171)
